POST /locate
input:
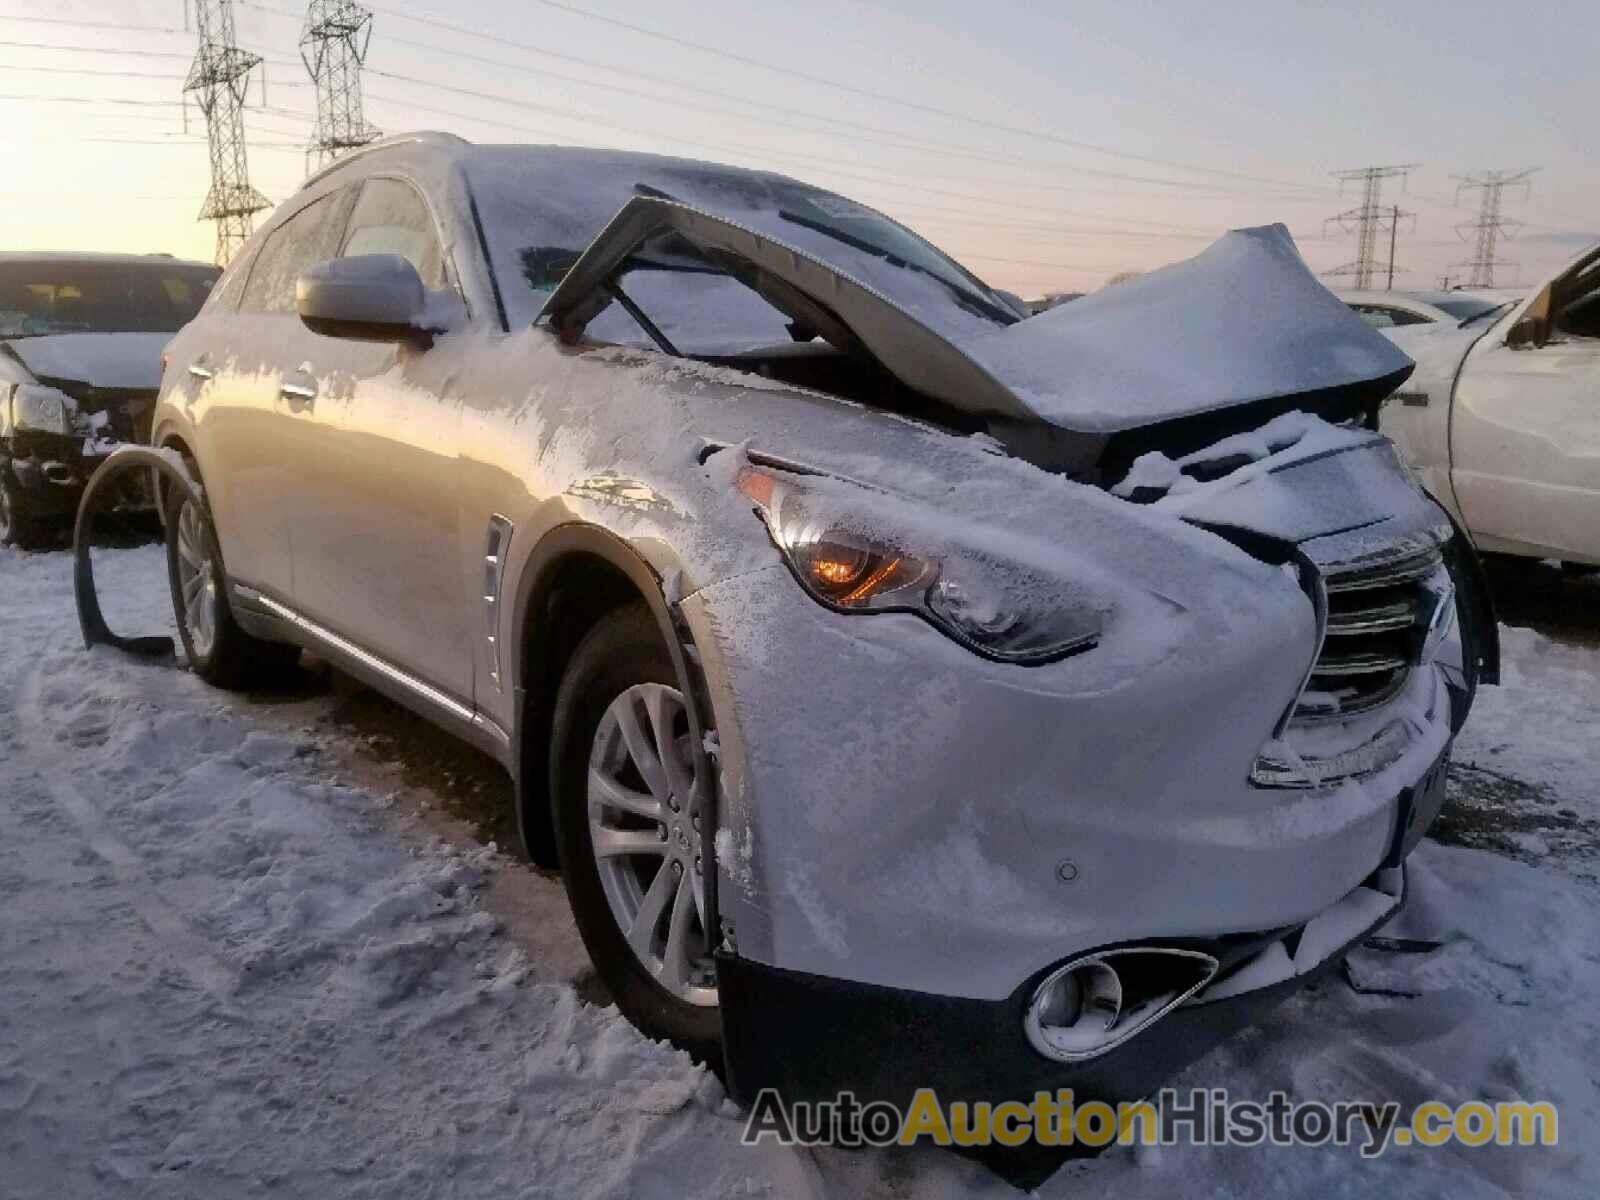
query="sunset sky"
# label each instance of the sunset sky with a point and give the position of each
(1047, 146)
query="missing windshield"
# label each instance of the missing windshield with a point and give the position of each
(883, 239)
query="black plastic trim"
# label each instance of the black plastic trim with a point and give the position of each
(527, 659)
(884, 1043)
(91, 621)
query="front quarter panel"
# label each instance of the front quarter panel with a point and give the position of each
(552, 437)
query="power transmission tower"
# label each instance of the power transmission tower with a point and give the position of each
(333, 45)
(1367, 219)
(219, 76)
(1490, 225)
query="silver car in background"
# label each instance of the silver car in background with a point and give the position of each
(910, 693)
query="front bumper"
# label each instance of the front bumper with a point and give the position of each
(897, 812)
(50, 474)
(883, 1044)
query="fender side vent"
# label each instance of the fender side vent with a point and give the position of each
(499, 541)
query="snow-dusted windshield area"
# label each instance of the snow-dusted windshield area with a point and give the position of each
(1464, 308)
(48, 296)
(542, 206)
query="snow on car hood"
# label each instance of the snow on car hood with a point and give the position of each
(1243, 321)
(1437, 349)
(101, 360)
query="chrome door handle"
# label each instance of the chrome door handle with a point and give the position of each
(199, 369)
(300, 388)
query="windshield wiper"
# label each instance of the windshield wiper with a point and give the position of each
(964, 295)
(1480, 316)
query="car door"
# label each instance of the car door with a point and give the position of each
(373, 511)
(231, 380)
(1525, 434)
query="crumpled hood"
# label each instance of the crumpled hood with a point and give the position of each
(1242, 321)
(1343, 491)
(101, 360)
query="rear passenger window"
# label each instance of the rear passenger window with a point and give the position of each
(390, 218)
(225, 295)
(305, 238)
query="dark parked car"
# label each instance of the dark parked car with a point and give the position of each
(80, 361)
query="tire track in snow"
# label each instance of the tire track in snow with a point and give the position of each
(192, 954)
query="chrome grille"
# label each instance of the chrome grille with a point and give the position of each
(1376, 616)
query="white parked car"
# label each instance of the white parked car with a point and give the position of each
(910, 693)
(1502, 418)
(1395, 310)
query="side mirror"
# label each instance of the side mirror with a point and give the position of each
(369, 297)
(1527, 332)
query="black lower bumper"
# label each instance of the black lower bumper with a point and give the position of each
(810, 1038)
(51, 486)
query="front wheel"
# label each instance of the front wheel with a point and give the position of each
(1472, 620)
(219, 651)
(17, 528)
(629, 830)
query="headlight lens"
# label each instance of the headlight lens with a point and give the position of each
(996, 608)
(39, 409)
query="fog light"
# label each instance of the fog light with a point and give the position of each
(1095, 1003)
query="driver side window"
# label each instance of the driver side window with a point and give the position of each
(390, 218)
(305, 238)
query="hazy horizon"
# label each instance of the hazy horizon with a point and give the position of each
(974, 126)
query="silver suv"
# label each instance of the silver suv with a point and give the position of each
(911, 690)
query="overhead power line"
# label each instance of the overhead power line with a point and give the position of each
(966, 118)
(30, 19)
(880, 97)
(761, 153)
(882, 136)
(1490, 226)
(92, 50)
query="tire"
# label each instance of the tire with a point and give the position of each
(621, 667)
(1470, 616)
(17, 528)
(219, 651)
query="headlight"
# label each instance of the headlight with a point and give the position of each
(999, 609)
(39, 409)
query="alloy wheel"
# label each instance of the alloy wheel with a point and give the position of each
(645, 831)
(197, 579)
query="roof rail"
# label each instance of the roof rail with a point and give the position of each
(424, 137)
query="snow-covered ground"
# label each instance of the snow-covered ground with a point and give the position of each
(239, 956)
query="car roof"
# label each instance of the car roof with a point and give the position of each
(446, 150)
(93, 256)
